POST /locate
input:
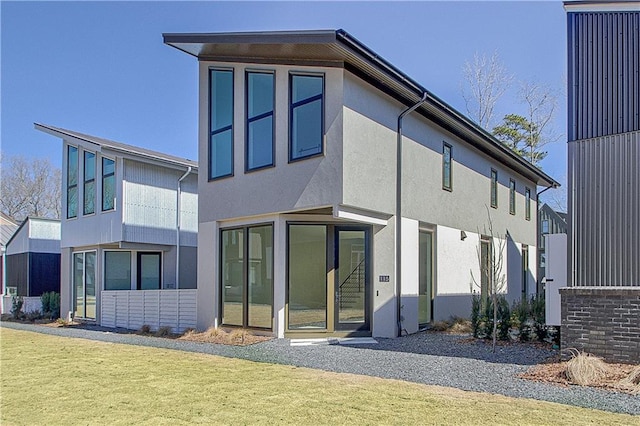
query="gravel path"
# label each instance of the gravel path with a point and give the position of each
(429, 358)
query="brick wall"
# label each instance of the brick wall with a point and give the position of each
(604, 321)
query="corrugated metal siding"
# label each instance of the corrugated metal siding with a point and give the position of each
(604, 206)
(150, 204)
(604, 73)
(155, 308)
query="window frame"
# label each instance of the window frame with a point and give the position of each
(105, 176)
(525, 271)
(86, 181)
(77, 176)
(527, 203)
(512, 197)
(494, 188)
(245, 274)
(231, 127)
(292, 75)
(248, 120)
(139, 255)
(446, 146)
(104, 269)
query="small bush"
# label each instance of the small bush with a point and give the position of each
(214, 332)
(238, 335)
(145, 329)
(521, 311)
(460, 325)
(16, 307)
(440, 326)
(538, 317)
(475, 315)
(487, 319)
(504, 318)
(50, 304)
(33, 315)
(62, 322)
(583, 368)
(633, 379)
(164, 331)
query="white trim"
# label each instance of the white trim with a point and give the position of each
(619, 6)
(341, 213)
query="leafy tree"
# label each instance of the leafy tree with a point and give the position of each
(29, 187)
(522, 136)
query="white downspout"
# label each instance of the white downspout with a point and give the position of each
(178, 217)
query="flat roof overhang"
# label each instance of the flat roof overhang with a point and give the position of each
(338, 48)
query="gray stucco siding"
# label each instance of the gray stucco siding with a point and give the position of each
(306, 183)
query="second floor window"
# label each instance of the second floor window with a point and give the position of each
(259, 132)
(527, 204)
(108, 184)
(72, 182)
(306, 122)
(89, 194)
(220, 123)
(447, 178)
(494, 188)
(512, 196)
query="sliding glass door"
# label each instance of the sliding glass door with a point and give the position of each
(84, 282)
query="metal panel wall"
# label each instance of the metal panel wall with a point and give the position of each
(603, 73)
(604, 211)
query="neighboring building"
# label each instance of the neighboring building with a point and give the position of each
(313, 147)
(130, 216)
(7, 228)
(550, 221)
(601, 306)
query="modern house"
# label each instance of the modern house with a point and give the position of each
(7, 228)
(340, 197)
(601, 306)
(129, 234)
(550, 222)
(32, 263)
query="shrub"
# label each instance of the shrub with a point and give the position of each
(145, 329)
(238, 335)
(33, 315)
(440, 326)
(538, 317)
(460, 325)
(50, 304)
(475, 315)
(504, 318)
(16, 307)
(522, 312)
(487, 319)
(164, 331)
(584, 368)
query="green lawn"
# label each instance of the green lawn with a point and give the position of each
(55, 380)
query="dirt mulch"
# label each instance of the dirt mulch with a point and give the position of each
(237, 337)
(554, 372)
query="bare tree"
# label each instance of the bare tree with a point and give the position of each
(29, 187)
(541, 103)
(493, 280)
(485, 81)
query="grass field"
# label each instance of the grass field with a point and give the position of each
(54, 380)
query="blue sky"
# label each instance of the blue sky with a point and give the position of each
(101, 67)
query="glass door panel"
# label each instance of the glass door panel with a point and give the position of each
(232, 276)
(90, 284)
(149, 275)
(352, 286)
(260, 276)
(78, 283)
(307, 277)
(425, 283)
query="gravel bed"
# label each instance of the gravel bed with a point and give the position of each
(428, 358)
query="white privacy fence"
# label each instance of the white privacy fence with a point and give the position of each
(132, 309)
(30, 304)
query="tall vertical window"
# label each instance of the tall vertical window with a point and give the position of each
(108, 184)
(494, 188)
(149, 271)
(306, 122)
(72, 182)
(220, 123)
(89, 193)
(447, 178)
(527, 204)
(259, 132)
(512, 196)
(247, 276)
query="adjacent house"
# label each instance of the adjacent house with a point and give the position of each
(32, 263)
(601, 306)
(340, 197)
(550, 222)
(129, 234)
(7, 228)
